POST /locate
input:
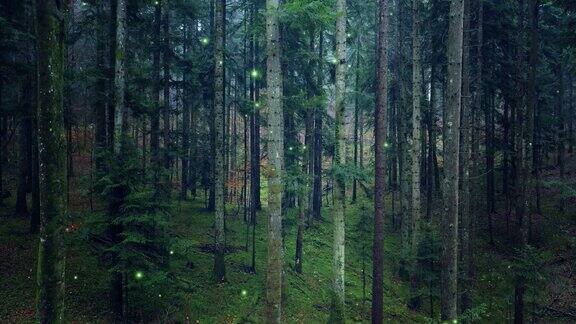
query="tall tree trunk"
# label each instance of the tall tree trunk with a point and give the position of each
(317, 159)
(166, 53)
(155, 118)
(525, 140)
(449, 259)
(404, 139)
(119, 75)
(219, 235)
(52, 161)
(416, 150)
(337, 311)
(100, 102)
(466, 154)
(186, 100)
(24, 128)
(357, 113)
(275, 169)
(490, 165)
(475, 137)
(380, 120)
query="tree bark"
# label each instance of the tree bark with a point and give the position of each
(380, 119)
(119, 75)
(52, 161)
(416, 150)
(525, 138)
(275, 170)
(449, 259)
(337, 311)
(466, 154)
(219, 235)
(155, 118)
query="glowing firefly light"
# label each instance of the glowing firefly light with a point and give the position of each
(204, 41)
(75, 277)
(171, 252)
(334, 61)
(257, 104)
(254, 73)
(386, 145)
(139, 275)
(244, 292)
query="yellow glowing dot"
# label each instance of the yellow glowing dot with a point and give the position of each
(244, 292)
(204, 41)
(171, 252)
(386, 144)
(139, 275)
(257, 104)
(254, 73)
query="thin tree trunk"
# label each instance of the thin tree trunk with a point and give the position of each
(416, 151)
(219, 235)
(317, 160)
(466, 154)
(275, 169)
(186, 119)
(155, 118)
(449, 259)
(337, 311)
(52, 162)
(525, 140)
(380, 118)
(166, 53)
(119, 75)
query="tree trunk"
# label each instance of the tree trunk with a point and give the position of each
(356, 113)
(380, 119)
(466, 154)
(275, 170)
(155, 118)
(449, 259)
(186, 101)
(219, 235)
(316, 206)
(166, 53)
(525, 138)
(119, 75)
(337, 311)
(416, 150)
(52, 161)
(24, 128)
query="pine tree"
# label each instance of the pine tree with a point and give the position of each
(380, 118)
(451, 163)
(337, 311)
(219, 235)
(275, 169)
(52, 161)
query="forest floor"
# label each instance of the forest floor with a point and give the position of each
(307, 295)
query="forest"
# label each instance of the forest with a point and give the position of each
(287, 161)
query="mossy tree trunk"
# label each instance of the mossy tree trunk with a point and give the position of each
(52, 161)
(119, 75)
(219, 244)
(466, 156)
(337, 314)
(380, 118)
(449, 258)
(275, 169)
(155, 117)
(416, 150)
